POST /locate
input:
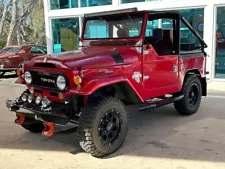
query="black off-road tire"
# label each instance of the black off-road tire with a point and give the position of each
(36, 127)
(184, 106)
(91, 127)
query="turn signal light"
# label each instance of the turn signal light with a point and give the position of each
(77, 80)
(19, 72)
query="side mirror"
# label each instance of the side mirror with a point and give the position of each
(146, 47)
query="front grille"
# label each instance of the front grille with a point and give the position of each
(44, 79)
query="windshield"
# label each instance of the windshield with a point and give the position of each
(10, 49)
(111, 27)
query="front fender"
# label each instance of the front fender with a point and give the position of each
(92, 85)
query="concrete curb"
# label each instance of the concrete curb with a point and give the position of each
(216, 86)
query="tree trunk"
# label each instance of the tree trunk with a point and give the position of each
(18, 36)
(4, 16)
(23, 38)
(12, 24)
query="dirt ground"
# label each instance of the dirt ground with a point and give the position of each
(159, 139)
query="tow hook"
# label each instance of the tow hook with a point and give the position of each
(20, 118)
(49, 129)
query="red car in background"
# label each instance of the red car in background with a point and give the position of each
(12, 56)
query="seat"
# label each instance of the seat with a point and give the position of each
(165, 45)
(122, 33)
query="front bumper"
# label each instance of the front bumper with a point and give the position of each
(52, 114)
(2, 71)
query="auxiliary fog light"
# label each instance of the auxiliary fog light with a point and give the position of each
(45, 103)
(24, 97)
(30, 98)
(38, 100)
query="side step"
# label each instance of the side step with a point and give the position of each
(151, 105)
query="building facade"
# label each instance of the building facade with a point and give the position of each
(63, 21)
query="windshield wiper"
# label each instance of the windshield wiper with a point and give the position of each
(101, 19)
(133, 21)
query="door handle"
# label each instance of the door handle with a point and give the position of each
(175, 68)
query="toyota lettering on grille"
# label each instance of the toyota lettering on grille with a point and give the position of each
(47, 80)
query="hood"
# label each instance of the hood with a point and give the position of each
(87, 58)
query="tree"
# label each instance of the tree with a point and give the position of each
(20, 19)
(12, 24)
(22, 22)
(3, 18)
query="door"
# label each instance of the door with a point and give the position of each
(160, 54)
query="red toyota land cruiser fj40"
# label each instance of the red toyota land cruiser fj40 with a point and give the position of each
(127, 57)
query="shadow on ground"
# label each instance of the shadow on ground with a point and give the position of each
(8, 76)
(157, 133)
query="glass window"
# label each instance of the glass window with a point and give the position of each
(151, 25)
(65, 34)
(63, 4)
(87, 3)
(131, 1)
(195, 18)
(38, 50)
(160, 36)
(10, 49)
(220, 43)
(122, 26)
(188, 41)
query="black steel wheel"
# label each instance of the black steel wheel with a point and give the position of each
(109, 127)
(193, 94)
(102, 126)
(192, 91)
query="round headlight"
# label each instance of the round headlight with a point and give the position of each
(28, 77)
(61, 82)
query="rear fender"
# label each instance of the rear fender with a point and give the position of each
(94, 84)
(201, 77)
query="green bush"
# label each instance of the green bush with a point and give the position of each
(2, 44)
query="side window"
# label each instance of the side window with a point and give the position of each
(38, 50)
(14, 50)
(151, 25)
(5, 50)
(188, 41)
(43, 49)
(159, 33)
